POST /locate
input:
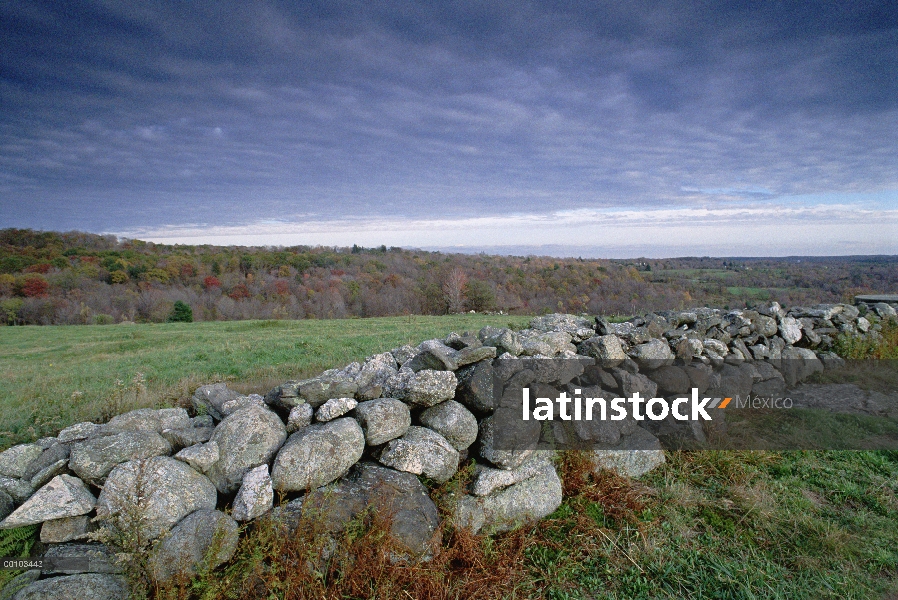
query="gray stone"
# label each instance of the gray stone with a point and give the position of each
(300, 416)
(188, 436)
(7, 505)
(333, 408)
(15, 460)
(863, 325)
(716, 346)
(402, 354)
(66, 529)
(799, 363)
(606, 348)
(671, 380)
(94, 458)
(397, 497)
(246, 439)
(652, 354)
(201, 541)
(487, 480)
(790, 330)
(424, 388)
(80, 558)
(578, 327)
(526, 501)
(632, 383)
(153, 494)
(209, 399)
(545, 344)
(232, 406)
(147, 419)
(317, 455)
(374, 374)
(84, 586)
(64, 496)
(200, 456)
(504, 340)
(432, 354)
(42, 477)
(77, 432)
(383, 419)
(256, 495)
(453, 421)
(51, 455)
(18, 582)
(17, 489)
(422, 451)
(333, 383)
(884, 310)
(506, 440)
(203, 421)
(468, 356)
(635, 455)
(764, 325)
(476, 387)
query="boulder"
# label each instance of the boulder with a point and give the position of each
(606, 348)
(147, 419)
(652, 354)
(187, 436)
(790, 330)
(77, 432)
(94, 458)
(506, 440)
(256, 495)
(7, 505)
(475, 387)
(50, 456)
(201, 541)
(578, 327)
(421, 451)
(374, 374)
(398, 497)
(66, 529)
(210, 399)
(671, 380)
(64, 496)
(424, 388)
(246, 439)
(84, 586)
(232, 406)
(153, 495)
(432, 354)
(383, 419)
(200, 456)
(453, 421)
(487, 479)
(798, 364)
(468, 356)
(528, 500)
(14, 585)
(333, 408)
(15, 460)
(317, 455)
(504, 340)
(333, 383)
(631, 383)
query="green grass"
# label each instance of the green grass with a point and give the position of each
(51, 377)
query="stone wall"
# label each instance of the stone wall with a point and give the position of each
(336, 442)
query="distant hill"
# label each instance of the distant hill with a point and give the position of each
(76, 277)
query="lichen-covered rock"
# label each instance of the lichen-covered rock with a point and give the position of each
(333, 408)
(383, 419)
(468, 356)
(333, 383)
(77, 432)
(790, 330)
(476, 387)
(7, 505)
(187, 436)
(317, 455)
(606, 348)
(147, 419)
(203, 540)
(232, 406)
(432, 354)
(210, 399)
(168, 490)
(545, 344)
(64, 496)
(506, 440)
(66, 529)
(256, 495)
(398, 497)
(200, 456)
(300, 416)
(94, 458)
(15, 460)
(528, 500)
(424, 388)
(652, 354)
(52, 454)
(487, 480)
(17, 489)
(504, 340)
(421, 451)
(373, 375)
(84, 586)
(453, 421)
(246, 439)
(580, 328)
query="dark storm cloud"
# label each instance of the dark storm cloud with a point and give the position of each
(118, 115)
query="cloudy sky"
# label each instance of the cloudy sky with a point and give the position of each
(584, 128)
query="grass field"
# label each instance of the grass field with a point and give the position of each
(712, 524)
(51, 377)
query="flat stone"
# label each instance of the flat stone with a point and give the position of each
(51, 455)
(383, 419)
(487, 480)
(81, 558)
(67, 529)
(15, 460)
(64, 496)
(77, 432)
(256, 495)
(467, 356)
(148, 419)
(317, 455)
(188, 436)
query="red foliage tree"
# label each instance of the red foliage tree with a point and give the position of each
(39, 268)
(239, 292)
(211, 282)
(35, 287)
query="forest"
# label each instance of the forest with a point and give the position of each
(49, 278)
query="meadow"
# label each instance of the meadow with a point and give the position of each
(711, 524)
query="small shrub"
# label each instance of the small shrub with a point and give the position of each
(102, 319)
(181, 313)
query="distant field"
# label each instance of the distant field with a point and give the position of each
(51, 377)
